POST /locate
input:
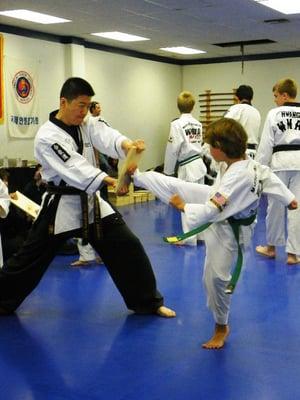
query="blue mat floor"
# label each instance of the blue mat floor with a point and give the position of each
(73, 338)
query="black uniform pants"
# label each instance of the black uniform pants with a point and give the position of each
(119, 248)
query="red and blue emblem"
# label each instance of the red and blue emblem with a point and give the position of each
(23, 86)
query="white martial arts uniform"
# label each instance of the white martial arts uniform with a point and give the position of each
(249, 117)
(184, 151)
(282, 128)
(85, 175)
(236, 193)
(4, 204)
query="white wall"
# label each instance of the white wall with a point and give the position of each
(138, 96)
(261, 75)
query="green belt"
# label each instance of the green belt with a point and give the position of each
(235, 225)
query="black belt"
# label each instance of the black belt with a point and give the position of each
(286, 147)
(251, 146)
(71, 191)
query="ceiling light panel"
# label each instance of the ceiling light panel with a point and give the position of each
(33, 16)
(120, 36)
(283, 6)
(182, 50)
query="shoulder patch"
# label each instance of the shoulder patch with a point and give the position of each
(219, 201)
(60, 152)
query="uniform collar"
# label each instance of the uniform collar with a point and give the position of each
(291, 104)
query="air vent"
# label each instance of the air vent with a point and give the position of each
(245, 43)
(277, 21)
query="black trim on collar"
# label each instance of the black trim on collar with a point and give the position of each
(291, 104)
(73, 130)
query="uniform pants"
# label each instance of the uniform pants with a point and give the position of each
(221, 246)
(276, 216)
(121, 251)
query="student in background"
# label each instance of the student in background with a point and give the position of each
(4, 208)
(280, 149)
(247, 115)
(184, 149)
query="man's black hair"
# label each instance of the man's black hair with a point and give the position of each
(74, 87)
(244, 92)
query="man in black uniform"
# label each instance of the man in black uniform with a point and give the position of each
(64, 146)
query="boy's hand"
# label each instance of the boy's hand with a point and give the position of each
(110, 181)
(177, 202)
(293, 205)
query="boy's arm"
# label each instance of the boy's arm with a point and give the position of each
(172, 151)
(266, 144)
(274, 187)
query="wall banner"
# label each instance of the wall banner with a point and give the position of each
(1, 81)
(21, 82)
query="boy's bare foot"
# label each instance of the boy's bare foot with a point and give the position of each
(266, 251)
(165, 312)
(218, 339)
(292, 259)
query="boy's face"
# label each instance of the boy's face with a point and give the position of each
(73, 112)
(280, 98)
(217, 154)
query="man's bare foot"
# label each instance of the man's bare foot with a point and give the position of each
(79, 263)
(165, 312)
(266, 251)
(98, 260)
(292, 259)
(218, 339)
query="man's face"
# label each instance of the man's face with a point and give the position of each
(280, 98)
(73, 112)
(97, 110)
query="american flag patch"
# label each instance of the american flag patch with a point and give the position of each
(219, 201)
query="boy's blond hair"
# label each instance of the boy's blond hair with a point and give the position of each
(185, 102)
(227, 135)
(286, 85)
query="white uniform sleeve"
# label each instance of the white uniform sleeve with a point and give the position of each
(106, 139)
(234, 113)
(172, 150)
(61, 158)
(265, 148)
(4, 200)
(274, 187)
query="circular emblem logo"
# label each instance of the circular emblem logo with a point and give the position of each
(23, 87)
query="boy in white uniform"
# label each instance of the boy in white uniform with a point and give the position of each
(247, 115)
(236, 193)
(280, 149)
(4, 208)
(184, 149)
